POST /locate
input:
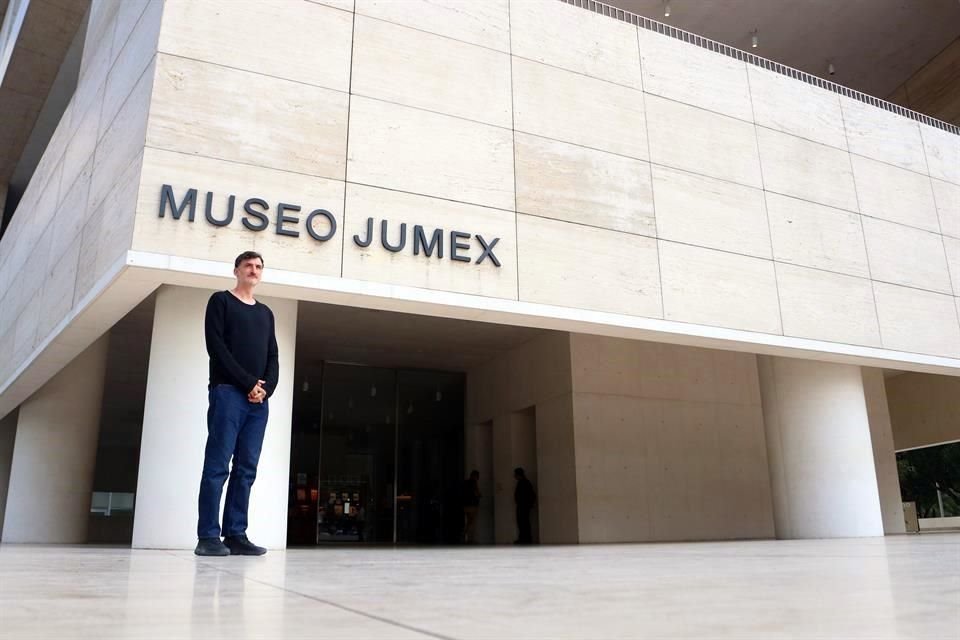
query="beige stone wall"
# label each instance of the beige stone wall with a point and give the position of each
(623, 171)
(75, 220)
(923, 409)
(884, 453)
(532, 381)
(670, 443)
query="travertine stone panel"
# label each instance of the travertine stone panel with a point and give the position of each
(917, 321)
(567, 182)
(947, 197)
(710, 213)
(693, 139)
(436, 272)
(692, 75)
(131, 62)
(412, 150)
(807, 170)
(563, 105)
(418, 69)
(200, 239)
(906, 256)
(25, 327)
(58, 286)
(797, 108)
(485, 23)
(79, 151)
(123, 141)
(577, 266)
(942, 151)
(882, 135)
(108, 232)
(127, 17)
(952, 248)
(616, 366)
(72, 212)
(894, 194)
(813, 235)
(720, 289)
(101, 25)
(827, 306)
(241, 37)
(92, 80)
(307, 129)
(571, 38)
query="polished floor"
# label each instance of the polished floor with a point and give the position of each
(898, 587)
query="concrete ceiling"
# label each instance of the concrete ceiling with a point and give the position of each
(875, 45)
(399, 340)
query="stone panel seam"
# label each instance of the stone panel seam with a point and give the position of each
(513, 142)
(434, 33)
(646, 398)
(936, 210)
(863, 232)
(766, 209)
(653, 194)
(346, 151)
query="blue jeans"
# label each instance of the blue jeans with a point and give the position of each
(235, 429)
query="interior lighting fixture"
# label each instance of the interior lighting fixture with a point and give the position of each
(666, 9)
(754, 39)
(306, 385)
(373, 391)
(831, 69)
(439, 396)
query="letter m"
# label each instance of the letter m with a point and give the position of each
(420, 242)
(166, 198)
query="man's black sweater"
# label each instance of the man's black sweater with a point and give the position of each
(241, 343)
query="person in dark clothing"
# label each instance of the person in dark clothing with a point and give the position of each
(244, 369)
(471, 506)
(525, 497)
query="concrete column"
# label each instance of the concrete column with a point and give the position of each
(55, 453)
(175, 431)
(884, 455)
(819, 449)
(8, 431)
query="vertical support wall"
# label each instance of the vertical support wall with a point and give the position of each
(175, 431)
(8, 432)
(884, 455)
(54, 455)
(818, 442)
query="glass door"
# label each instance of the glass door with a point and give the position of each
(357, 455)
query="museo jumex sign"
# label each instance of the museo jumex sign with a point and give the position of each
(257, 215)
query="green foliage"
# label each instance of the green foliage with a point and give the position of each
(922, 471)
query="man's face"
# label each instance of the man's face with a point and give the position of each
(249, 272)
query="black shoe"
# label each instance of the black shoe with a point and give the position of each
(240, 546)
(211, 547)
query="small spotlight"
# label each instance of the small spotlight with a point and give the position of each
(666, 9)
(831, 69)
(754, 39)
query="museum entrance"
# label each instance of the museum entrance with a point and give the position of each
(376, 457)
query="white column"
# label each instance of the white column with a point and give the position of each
(55, 453)
(884, 455)
(819, 450)
(175, 428)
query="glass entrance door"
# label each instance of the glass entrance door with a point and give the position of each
(377, 457)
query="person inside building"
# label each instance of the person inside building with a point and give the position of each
(471, 506)
(244, 369)
(525, 497)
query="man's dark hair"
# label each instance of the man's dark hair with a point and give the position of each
(247, 255)
(519, 472)
(474, 474)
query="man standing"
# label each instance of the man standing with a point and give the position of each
(242, 346)
(525, 497)
(471, 506)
